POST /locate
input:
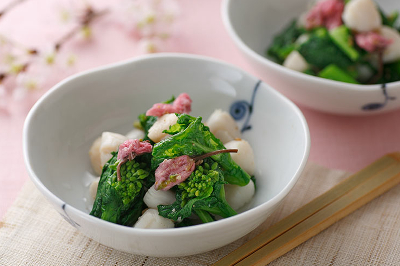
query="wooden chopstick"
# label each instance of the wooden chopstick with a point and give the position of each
(305, 212)
(320, 213)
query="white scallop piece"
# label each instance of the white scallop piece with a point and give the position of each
(223, 135)
(302, 38)
(135, 134)
(154, 197)
(164, 122)
(392, 52)
(238, 196)
(151, 220)
(245, 155)
(94, 155)
(296, 61)
(362, 15)
(93, 187)
(109, 142)
(223, 126)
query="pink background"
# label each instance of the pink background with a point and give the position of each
(342, 142)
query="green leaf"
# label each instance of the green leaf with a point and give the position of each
(320, 51)
(213, 202)
(146, 122)
(389, 20)
(284, 42)
(182, 123)
(171, 100)
(196, 139)
(342, 37)
(333, 72)
(391, 73)
(110, 204)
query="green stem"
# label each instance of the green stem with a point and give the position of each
(204, 216)
(203, 156)
(224, 211)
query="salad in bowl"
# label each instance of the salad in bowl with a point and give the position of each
(338, 57)
(349, 41)
(171, 170)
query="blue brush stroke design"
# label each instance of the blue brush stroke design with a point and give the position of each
(377, 105)
(67, 218)
(240, 109)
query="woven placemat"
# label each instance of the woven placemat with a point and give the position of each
(33, 233)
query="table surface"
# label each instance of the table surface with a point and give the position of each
(341, 142)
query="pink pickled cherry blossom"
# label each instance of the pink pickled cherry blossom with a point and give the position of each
(174, 171)
(181, 105)
(326, 13)
(129, 150)
(133, 147)
(372, 41)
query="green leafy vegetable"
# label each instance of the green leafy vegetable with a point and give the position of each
(123, 182)
(342, 37)
(191, 137)
(121, 202)
(391, 73)
(320, 51)
(146, 123)
(203, 193)
(310, 71)
(283, 43)
(333, 72)
(389, 20)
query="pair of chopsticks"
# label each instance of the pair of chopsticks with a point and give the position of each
(320, 213)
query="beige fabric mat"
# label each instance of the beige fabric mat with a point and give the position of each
(33, 233)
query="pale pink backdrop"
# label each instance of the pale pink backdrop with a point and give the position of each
(347, 143)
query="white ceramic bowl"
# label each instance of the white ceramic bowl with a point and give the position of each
(62, 125)
(252, 25)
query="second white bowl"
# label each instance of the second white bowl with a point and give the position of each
(252, 25)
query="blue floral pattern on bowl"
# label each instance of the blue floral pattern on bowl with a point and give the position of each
(243, 109)
(379, 105)
(65, 215)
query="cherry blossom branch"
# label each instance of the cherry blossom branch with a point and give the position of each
(89, 16)
(151, 23)
(10, 6)
(86, 20)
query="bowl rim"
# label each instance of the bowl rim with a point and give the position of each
(160, 232)
(226, 19)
